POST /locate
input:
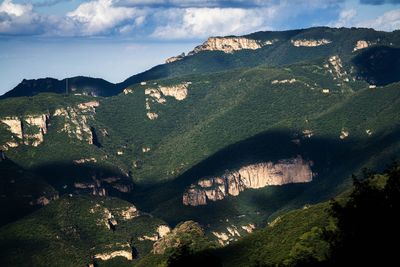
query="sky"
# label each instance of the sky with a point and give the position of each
(114, 39)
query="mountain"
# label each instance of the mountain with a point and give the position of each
(75, 85)
(236, 133)
(270, 48)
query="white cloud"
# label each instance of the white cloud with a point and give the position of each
(17, 10)
(203, 22)
(19, 19)
(389, 21)
(102, 16)
(346, 18)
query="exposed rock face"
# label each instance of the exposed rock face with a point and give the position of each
(152, 115)
(361, 44)
(130, 213)
(158, 94)
(76, 123)
(249, 228)
(14, 124)
(174, 238)
(225, 238)
(175, 58)
(283, 81)
(29, 129)
(39, 121)
(179, 92)
(308, 133)
(310, 43)
(335, 67)
(127, 91)
(161, 231)
(255, 176)
(344, 134)
(86, 160)
(118, 253)
(229, 44)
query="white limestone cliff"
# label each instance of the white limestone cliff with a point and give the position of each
(229, 44)
(361, 44)
(76, 120)
(28, 129)
(158, 95)
(259, 175)
(310, 43)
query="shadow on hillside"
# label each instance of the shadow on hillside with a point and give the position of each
(378, 65)
(334, 161)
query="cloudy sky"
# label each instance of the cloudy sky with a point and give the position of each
(114, 39)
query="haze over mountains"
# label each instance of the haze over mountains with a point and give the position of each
(198, 152)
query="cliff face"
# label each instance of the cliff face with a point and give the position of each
(158, 94)
(29, 130)
(255, 176)
(189, 229)
(361, 44)
(310, 43)
(76, 120)
(229, 44)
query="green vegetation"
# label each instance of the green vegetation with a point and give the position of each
(70, 230)
(250, 106)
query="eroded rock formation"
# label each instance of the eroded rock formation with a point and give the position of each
(173, 238)
(229, 44)
(361, 44)
(161, 231)
(159, 94)
(76, 120)
(175, 58)
(255, 176)
(28, 129)
(310, 43)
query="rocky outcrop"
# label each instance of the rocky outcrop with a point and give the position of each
(254, 176)
(28, 129)
(361, 44)
(161, 231)
(76, 120)
(118, 253)
(225, 237)
(159, 94)
(130, 213)
(85, 160)
(289, 81)
(188, 230)
(344, 134)
(175, 58)
(179, 91)
(14, 124)
(152, 115)
(229, 44)
(310, 43)
(249, 228)
(127, 91)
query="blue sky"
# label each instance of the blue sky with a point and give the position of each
(114, 39)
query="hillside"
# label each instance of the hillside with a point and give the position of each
(269, 48)
(214, 144)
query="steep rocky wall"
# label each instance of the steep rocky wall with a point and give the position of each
(259, 175)
(310, 43)
(158, 94)
(76, 120)
(229, 44)
(29, 130)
